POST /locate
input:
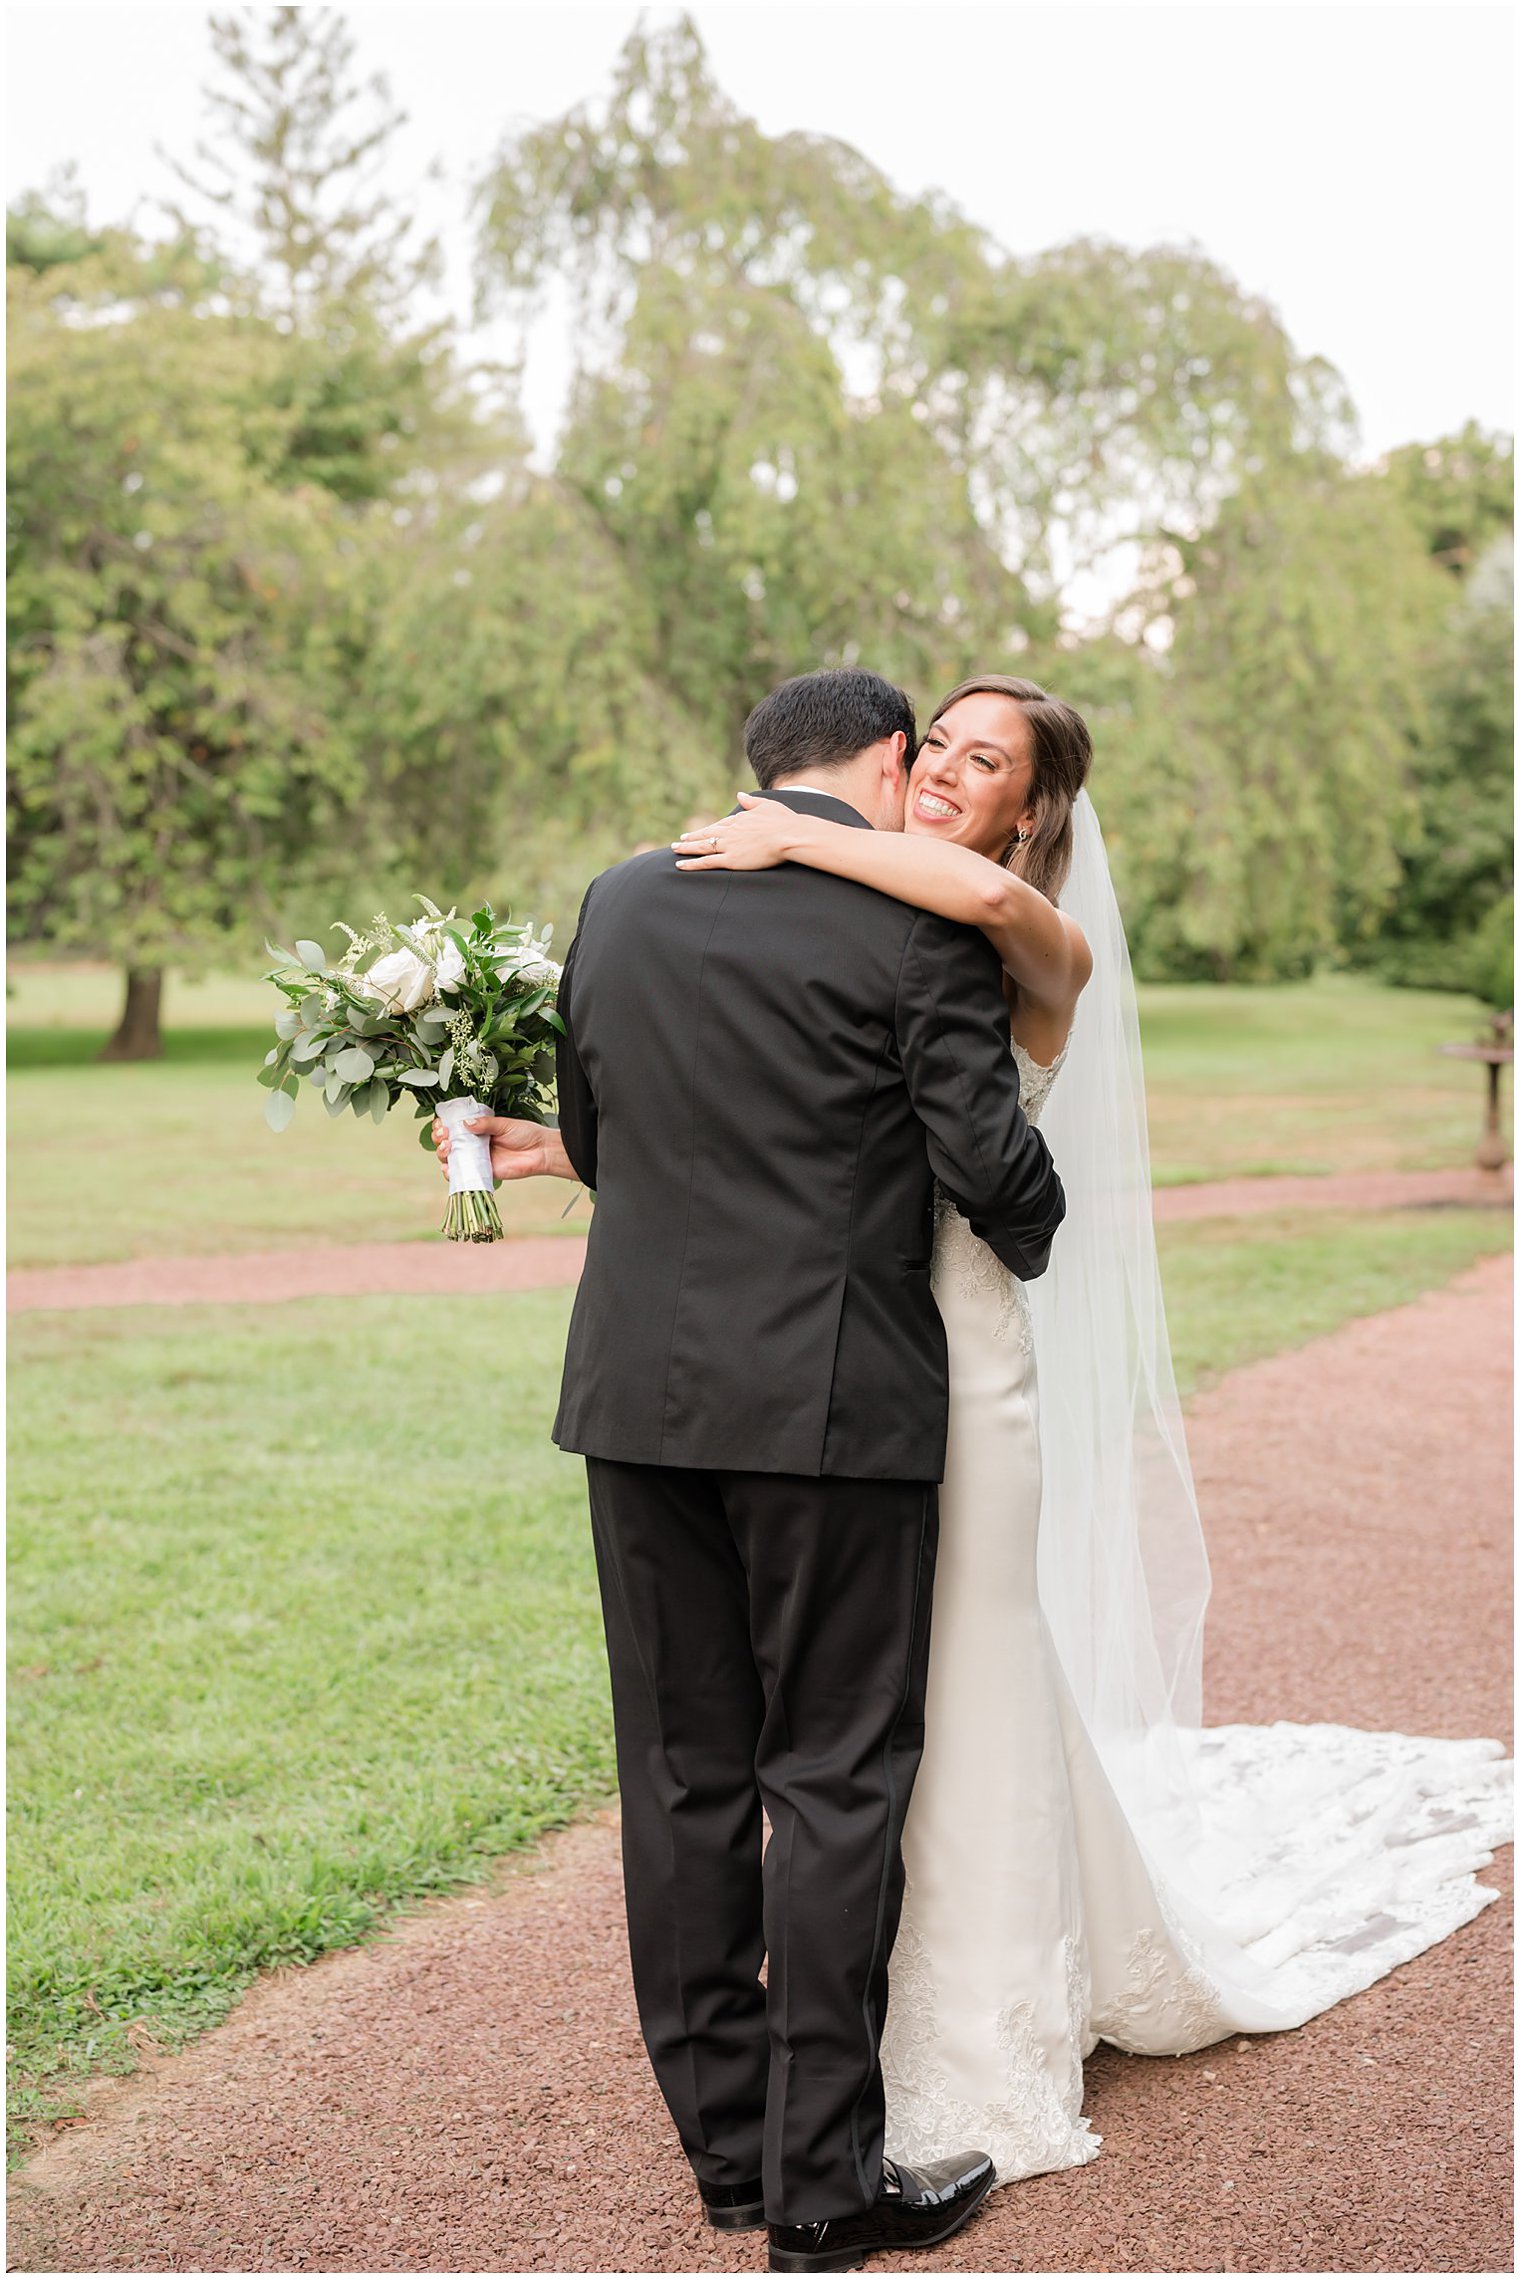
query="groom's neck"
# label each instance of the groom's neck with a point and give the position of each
(858, 787)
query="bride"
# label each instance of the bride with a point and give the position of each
(1085, 1859)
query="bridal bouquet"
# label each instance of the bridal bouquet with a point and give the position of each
(458, 1019)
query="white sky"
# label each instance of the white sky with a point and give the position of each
(1354, 164)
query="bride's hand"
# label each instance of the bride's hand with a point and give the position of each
(764, 835)
(519, 1149)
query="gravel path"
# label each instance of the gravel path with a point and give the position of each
(541, 1262)
(469, 2094)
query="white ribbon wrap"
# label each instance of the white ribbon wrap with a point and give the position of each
(469, 1152)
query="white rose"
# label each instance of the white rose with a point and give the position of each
(441, 952)
(448, 964)
(400, 982)
(529, 963)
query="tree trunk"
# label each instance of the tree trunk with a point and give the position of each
(138, 1035)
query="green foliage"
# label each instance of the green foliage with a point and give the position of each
(820, 420)
(1446, 924)
(290, 162)
(1274, 760)
(549, 713)
(1488, 966)
(770, 526)
(176, 618)
(815, 420)
(193, 575)
(1459, 493)
(46, 229)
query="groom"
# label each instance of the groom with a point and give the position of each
(761, 1076)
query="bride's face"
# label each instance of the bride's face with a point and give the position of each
(973, 776)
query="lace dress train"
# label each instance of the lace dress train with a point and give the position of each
(1037, 1918)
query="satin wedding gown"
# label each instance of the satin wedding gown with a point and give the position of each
(1039, 1917)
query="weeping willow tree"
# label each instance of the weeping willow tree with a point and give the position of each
(820, 420)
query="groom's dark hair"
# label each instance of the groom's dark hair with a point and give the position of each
(821, 720)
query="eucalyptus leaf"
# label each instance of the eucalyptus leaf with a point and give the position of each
(354, 1065)
(269, 1077)
(336, 1103)
(446, 1066)
(312, 956)
(335, 1087)
(379, 1101)
(422, 1078)
(278, 1110)
(307, 1047)
(287, 1024)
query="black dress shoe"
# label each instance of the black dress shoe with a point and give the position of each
(734, 2207)
(917, 2207)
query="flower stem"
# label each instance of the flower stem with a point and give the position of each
(472, 1217)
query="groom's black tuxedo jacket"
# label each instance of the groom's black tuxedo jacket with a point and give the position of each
(762, 1075)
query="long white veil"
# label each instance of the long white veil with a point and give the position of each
(1295, 1863)
(1124, 1577)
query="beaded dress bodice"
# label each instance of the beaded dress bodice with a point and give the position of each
(961, 1259)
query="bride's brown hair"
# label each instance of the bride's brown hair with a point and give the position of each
(1061, 751)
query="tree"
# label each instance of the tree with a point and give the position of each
(1456, 853)
(201, 449)
(1079, 399)
(291, 169)
(1448, 919)
(1254, 760)
(1459, 492)
(548, 730)
(46, 229)
(176, 624)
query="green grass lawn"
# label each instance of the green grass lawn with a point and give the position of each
(1338, 1074)
(174, 1156)
(304, 1620)
(1238, 1289)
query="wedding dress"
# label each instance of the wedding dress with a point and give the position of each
(1085, 1860)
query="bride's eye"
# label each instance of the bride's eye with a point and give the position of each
(982, 760)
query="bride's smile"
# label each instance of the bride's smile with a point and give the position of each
(974, 775)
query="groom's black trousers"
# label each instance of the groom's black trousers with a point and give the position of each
(768, 1637)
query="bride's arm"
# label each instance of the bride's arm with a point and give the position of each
(1044, 954)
